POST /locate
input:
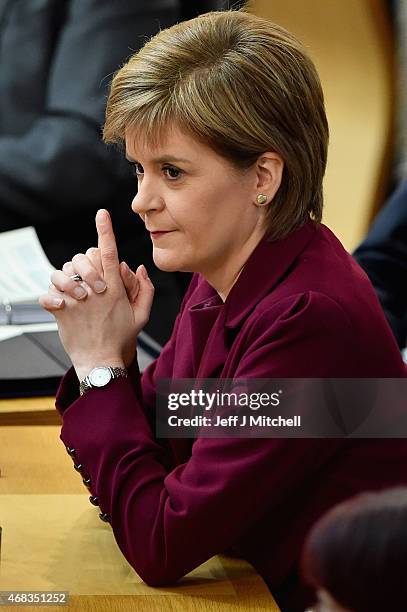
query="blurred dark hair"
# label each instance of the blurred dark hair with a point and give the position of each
(358, 552)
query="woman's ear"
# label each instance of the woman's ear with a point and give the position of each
(269, 173)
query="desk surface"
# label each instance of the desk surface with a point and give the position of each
(70, 549)
(29, 411)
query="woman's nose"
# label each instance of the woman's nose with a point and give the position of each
(146, 199)
(136, 205)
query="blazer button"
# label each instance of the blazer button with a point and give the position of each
(87, 482)
(94, 500)
(104, 517)
(78, 466)
(71, 451)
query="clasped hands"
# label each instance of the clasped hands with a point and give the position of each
(100, 318)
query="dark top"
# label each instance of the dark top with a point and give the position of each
(383, 255)
(300, 308)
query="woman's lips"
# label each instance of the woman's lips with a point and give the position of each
(158, 234)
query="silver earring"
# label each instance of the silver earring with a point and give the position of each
(261, 199)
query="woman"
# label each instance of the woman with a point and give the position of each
(356, 554)
(224, 122)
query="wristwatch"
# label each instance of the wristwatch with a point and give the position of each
(100, 377)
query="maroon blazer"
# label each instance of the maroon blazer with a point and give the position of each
(300, 308)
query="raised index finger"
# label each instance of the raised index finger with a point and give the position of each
(107, 246)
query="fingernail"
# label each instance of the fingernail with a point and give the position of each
(101, 216)
(80, 292)
(144, 272)
(99, 286)
(57, 302)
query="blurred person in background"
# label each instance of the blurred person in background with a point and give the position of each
(57, 58)
(383, 253)
(356, 554)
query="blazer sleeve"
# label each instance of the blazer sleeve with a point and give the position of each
(60, 165)
(168, 522)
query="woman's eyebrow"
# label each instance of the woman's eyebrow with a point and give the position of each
(163, 159)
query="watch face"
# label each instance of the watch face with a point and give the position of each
(99, 377)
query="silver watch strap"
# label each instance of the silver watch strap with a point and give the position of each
(84, 386)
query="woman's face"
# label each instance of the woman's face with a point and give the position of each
(200, 211)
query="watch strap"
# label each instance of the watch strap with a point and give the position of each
(84, 386)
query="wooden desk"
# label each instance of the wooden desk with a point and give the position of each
(29, 411)
(53, 540)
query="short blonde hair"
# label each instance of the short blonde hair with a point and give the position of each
(243, 86)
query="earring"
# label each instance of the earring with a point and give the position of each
(261, 199)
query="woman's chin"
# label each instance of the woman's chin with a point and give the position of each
(166, 262)
(171, 262)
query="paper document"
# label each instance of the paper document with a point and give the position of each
(24, 275)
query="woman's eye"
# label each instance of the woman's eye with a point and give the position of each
(137, 169)
(171, 172)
